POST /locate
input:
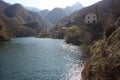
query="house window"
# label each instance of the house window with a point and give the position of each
(88, 22)
(88, 17)
(94, 17)
(94, 21)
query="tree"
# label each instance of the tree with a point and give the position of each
(72, 35)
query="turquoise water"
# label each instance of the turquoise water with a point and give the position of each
(39, 59)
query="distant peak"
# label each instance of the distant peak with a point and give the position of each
(68, 7)
(57, 8)
(17, 5)
(46, 9)
(77, 6)
(77, 3)
(1, 1)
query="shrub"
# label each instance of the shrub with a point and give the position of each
(72, 35)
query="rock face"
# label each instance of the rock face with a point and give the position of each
(104, 60)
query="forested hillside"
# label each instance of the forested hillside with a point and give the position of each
(16, 19)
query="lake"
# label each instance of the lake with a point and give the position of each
(39, 59)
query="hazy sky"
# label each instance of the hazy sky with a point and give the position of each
(50, 4)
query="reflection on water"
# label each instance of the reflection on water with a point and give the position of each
(39, 59)
(74, 73)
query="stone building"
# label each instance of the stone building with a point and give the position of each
(91, 18)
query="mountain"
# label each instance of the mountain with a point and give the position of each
(3, 5)
(104, 57)
(44, 12)
(70, 9)
(55, 15)
(77, 6)
(15, 21)
(32, 9)
(101, 47)
(18, 12)
(104, 9)
(77, 18)
(4, 33)
(73, 8)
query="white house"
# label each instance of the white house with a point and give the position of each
(90, 18)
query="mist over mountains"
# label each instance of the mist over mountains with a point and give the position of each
(56, 14)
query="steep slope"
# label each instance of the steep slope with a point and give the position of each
(73, 8)
(56, 14)
(77, 6)
(44, 12)
(78, 16)
(16, 21)
(104, 60)
(103, 9)
(33, 9)
(19, 13)
(20, 30)
(103, 57)
(12, 28)
(3, 5)
(4, 30)
(45, 23)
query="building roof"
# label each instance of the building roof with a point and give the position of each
(90, 13)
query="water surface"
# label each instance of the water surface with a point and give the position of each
(39, 59)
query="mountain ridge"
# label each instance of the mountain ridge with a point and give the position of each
(18, 19)
(54, 16)
(13, 19)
